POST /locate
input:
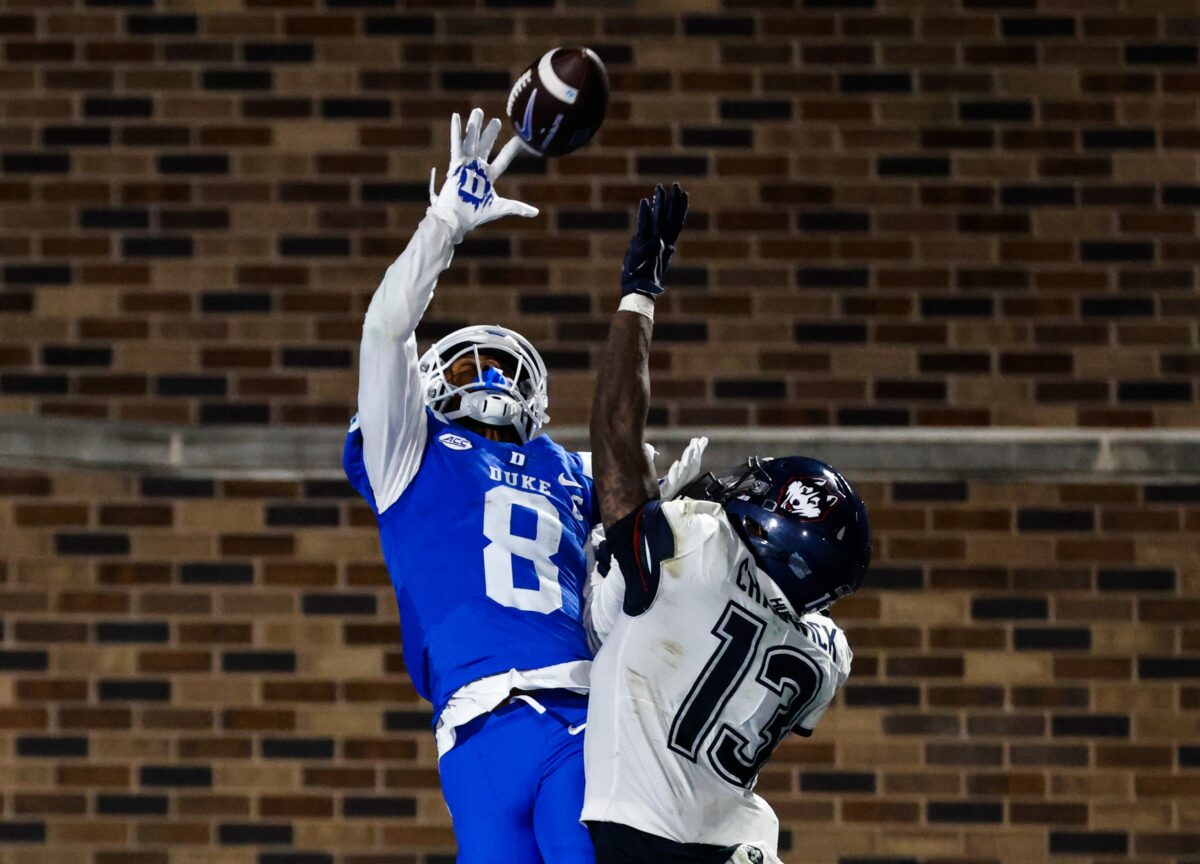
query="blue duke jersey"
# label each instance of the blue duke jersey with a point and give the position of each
(486, 551)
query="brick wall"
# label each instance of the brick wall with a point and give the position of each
(949, 212)
(199, 670)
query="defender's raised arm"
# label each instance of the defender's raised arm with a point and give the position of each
(624, 479)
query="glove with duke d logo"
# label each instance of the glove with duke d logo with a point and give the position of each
(468, 197)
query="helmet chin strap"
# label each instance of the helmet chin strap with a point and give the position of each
(493, 409)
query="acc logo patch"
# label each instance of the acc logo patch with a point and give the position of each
(809, 498)
(454, 442)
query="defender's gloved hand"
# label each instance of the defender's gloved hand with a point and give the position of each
(685, 469)
(468, 198)
(653, 244)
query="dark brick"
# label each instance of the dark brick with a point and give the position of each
(132, 631)
(161, 25)
(1118, 139)
(374, 807)
(1089, 843)
(399, 25)
(670, 167)
(22, 832)
(1003, 608)
(718, 136)
(1036, 519)
(717, 25)
(833, 220)
(831, 331)
(35, 163)
(1037, 196)
(52, 746)
(1052, 639)
(157, 247)
(339, 604)
(317, 358)
(134, 690)
(24, 661)
(131, 805)
(256, 834)
(355, 109)
(913, 166)
(92, 544)
(1168, 667)
(278, 52)
(314, 247)
(880, 695)
(1161, 55)
(833, 277)
(190, 385)
(129, 107)
(973, 307)
(1090, 725)
(1112, 250)
(181, 776)
(975, 812)
(841, 782)
(37, 274)
(1154, 391)
(235, 302)
(1135, 580)
(998, 111)
(875, 82)
(70, 355)
(237, 79)
(297, 748)
(216, 573)
(177, 487)
(258, 661)
(76, 136)
(755, 109)
(1116, 307)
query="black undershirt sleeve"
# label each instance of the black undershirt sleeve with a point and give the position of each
(640, 542)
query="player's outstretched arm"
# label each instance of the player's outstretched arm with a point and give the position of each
(624, 478)
(390, 405)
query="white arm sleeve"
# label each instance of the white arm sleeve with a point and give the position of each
(603, 596)
(391, 411)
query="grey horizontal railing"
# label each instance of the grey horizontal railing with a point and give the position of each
(47, 443)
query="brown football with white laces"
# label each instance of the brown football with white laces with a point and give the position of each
(559, 102)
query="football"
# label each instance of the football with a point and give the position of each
(559, 102)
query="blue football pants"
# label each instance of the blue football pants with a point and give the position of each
(514, 784)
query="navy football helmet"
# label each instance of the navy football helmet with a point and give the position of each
(804, 524)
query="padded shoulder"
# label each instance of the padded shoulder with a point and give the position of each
(694, 523)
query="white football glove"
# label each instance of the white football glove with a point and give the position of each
(468, 198)
(685, 470)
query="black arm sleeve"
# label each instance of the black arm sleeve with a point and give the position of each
(640, 542)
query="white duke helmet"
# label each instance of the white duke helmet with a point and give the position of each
(491, 398)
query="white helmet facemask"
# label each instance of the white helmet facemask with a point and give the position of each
(493, 397)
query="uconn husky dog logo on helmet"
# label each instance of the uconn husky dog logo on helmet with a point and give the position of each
(809, 498)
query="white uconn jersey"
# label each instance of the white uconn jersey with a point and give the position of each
(690, 697)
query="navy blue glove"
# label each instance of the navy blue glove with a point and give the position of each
(653, 244)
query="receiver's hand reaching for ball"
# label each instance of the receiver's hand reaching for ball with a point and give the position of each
(468, 198)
